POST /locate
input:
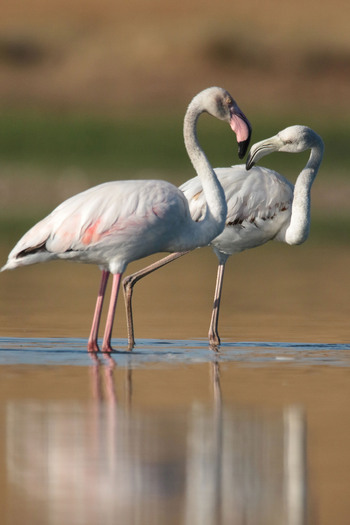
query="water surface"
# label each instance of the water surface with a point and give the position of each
(173, 432)
(68, 351)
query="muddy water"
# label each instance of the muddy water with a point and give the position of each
(257, 434)
(274, 293)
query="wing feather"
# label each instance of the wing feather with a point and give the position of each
(92, 215)
(253, 194)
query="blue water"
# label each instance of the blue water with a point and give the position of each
(68, 351)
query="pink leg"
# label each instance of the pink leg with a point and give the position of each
(106, 345)
(92, 342)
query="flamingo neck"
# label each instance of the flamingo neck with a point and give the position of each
(299, 227)
(214, 220)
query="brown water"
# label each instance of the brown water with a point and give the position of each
(274, 293)
(258, 434)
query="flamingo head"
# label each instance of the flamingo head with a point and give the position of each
(294, 139)
(220, 104)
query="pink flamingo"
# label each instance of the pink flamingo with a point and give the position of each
(262, 206)
(118, 222)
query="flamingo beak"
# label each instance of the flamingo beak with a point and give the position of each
(242, 147)
(243, 129)
(262, 148)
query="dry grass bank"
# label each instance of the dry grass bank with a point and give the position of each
(109, 56)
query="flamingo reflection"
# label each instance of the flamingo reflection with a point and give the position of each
(106, 460)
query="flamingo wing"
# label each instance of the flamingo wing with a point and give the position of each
(118, 209)
(250, 195)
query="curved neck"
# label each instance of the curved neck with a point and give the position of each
(299, 227)
(214, 221)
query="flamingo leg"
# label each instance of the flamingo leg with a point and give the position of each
(92, 342)
(213, 335)
(106, 345)
(129, 283)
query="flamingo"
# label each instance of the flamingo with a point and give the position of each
(262, 206)
(118, 222)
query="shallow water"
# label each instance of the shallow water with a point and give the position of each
(274, 293)
(65, 351)
(174, 433)
(257, 433)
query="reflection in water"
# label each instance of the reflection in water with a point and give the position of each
(102, 461)
(244, 466)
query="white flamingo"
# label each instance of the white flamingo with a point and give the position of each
(118, 222)
(262, 206)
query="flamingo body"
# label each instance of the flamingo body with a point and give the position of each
(262, 205)
(109, 225)
(259, 204)
(118, 222)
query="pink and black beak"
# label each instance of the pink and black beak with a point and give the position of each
(243, 129)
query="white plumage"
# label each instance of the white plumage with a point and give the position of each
(262, 206)
(108, 225)
(259, 203)
(118, 222)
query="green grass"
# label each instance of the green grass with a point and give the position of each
(92, 143)
(148, 144)
(150, 147)
(13, 227)
(330, 230)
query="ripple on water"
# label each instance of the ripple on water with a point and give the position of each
(67, 351)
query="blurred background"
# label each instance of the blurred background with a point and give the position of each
(96, 90)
